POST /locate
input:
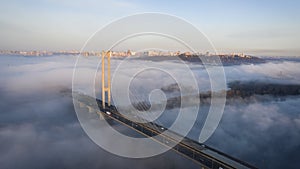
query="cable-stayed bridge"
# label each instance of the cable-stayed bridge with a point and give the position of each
(207, 157)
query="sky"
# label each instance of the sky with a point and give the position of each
(259, 27)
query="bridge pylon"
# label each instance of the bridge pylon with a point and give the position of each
(106, 87)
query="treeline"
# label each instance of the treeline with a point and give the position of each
(246, 89)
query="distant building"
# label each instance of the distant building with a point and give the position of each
(129, 53)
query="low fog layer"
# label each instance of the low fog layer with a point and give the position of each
(39, 128)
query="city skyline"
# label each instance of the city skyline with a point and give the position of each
(258, 27)
(129, 52)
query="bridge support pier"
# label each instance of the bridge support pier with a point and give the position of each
(106, 88)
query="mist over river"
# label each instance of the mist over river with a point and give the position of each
(39, 127)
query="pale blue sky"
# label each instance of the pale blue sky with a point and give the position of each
(260, 27)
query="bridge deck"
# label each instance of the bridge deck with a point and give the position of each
(206, 156)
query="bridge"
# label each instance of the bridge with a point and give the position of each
(206, 156)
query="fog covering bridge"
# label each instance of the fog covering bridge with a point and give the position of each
(207, 157)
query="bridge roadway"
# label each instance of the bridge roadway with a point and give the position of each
(207, 157)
